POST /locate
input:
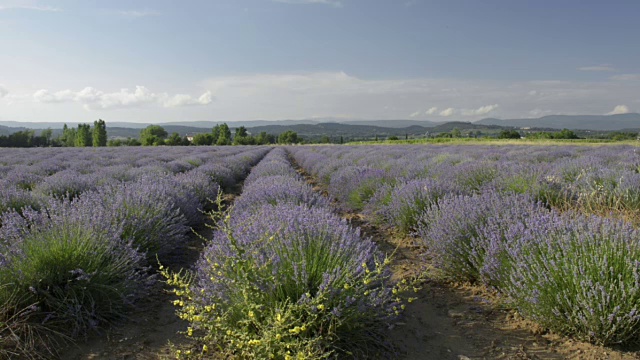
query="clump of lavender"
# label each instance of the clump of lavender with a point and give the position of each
(80, 274)
(66, 183)
(472, 176)
(218, 173)
(181, 194)
(410, 199)
(284, 281)
(276, 190)
(274, 163)
(198, 183)
(13, 198)
(144, 212)
(353, 186)
(578, 275)
(465, 234)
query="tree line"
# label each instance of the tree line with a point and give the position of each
(83, 135)
(154, 135)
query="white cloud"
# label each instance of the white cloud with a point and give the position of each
(626, 77)
(447, 112)
(187, 100)
(93, 99)
(619, 109)
(300, 95)
(136, 14)
(414, 114)
(603, 67)
(431, 111)
(334, 3)
(482, 110)
(3, 91)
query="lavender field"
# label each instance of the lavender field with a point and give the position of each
(84, 234)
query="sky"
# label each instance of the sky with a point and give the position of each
(160, 61)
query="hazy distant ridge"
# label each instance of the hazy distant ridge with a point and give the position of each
(574, 122)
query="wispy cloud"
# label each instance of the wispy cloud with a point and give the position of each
(94, 99)
(327, 94)
(431, 111)
(482, 110)
(3, 91)
(30, 7)
(603, 67)
(619, 109)
(136, 14)
(447, 112)
(626, 77)
(414, 114)
(334, 3)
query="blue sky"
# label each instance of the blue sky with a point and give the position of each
(227, 60)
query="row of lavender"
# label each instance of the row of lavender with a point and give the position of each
(80, 230)
(547, 227)
(284, 277)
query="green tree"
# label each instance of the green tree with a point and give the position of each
(241, 131)
(99, 133)
(565, 134)
(215, 132)
(456, 133)
(174, 140)
(153, 135)
(225, 135)
(47, 134)
(68, 137)
(509, 134)
(263, 138)
(288, 137)
(83, 135)
(203, 139)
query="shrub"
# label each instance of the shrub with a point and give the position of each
(410, 199)
(276, 190)
(66, 183)
(13, 198)
(79, 274)
(143, 212)
(287, 281)
(465, 233)
(578, 275)
(353, 186)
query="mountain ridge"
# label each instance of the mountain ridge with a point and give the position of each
(615, 122)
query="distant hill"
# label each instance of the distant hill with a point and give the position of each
(335, 129)
(573, 122)
(460, 125)
(126, 132)
(7, 130)
(392, 123)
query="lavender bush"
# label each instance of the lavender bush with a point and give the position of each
(276, 190)
(79, 276)
(465, 233)
(351, 193)
(578, 275)
(407, 201)
(287, 281)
